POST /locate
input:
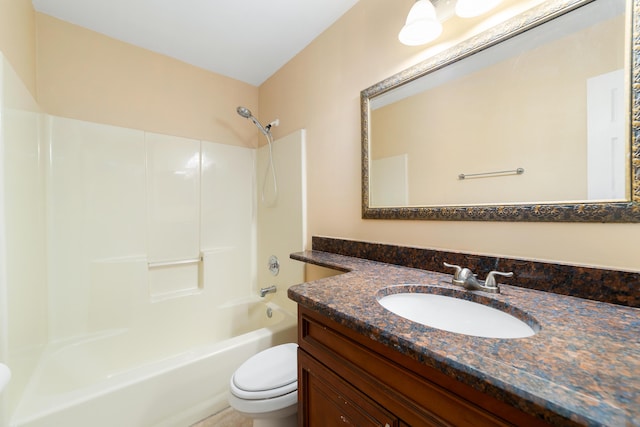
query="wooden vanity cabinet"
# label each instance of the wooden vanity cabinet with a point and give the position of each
(330, 401)
(345, 378)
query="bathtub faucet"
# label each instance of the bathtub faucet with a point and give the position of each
(270, 290)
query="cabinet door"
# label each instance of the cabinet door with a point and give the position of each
(329, 401)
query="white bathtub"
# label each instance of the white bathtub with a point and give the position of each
(126, 379)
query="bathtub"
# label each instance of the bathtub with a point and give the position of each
(131, 379)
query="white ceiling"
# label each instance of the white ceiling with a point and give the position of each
(248, 40)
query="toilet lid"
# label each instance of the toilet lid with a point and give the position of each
(270, 369)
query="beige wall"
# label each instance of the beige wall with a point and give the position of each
(319, 90)
(18, 39)
(85, 75)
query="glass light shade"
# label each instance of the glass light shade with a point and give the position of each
(422, 25)
(472, 8)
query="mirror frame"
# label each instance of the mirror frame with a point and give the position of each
(624, 211)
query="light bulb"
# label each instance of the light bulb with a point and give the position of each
(422, 25)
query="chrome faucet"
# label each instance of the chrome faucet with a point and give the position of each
(270, 290)
(465, 278)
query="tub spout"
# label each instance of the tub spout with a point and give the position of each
(270, 290)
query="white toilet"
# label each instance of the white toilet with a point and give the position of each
(265, 387)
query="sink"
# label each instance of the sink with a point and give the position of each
(457, 315)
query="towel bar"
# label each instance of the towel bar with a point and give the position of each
(171, 263)
(518, 171)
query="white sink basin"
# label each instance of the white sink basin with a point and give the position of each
(456, 315)
(5, 375)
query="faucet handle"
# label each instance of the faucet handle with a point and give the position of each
(491, 279)
(456, 275)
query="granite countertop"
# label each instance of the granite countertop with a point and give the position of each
(583, 364)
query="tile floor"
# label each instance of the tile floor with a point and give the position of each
(226, 418)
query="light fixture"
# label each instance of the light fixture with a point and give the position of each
(422, 25)
(472, 8)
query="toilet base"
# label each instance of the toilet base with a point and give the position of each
(290, 421)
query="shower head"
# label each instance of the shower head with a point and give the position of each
(244, 112)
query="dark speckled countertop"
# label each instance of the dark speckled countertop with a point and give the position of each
(582, 365)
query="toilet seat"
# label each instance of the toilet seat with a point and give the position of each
(268, 374)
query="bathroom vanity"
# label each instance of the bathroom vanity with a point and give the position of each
(359, 364)
(346, 378)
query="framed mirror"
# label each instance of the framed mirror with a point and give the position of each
(533, 120)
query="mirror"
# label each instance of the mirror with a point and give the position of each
(528, 121)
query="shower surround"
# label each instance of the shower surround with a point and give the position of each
(122, 253)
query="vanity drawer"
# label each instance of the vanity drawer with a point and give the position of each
(414, 393)
(329, 401)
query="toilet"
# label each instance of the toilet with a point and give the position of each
(265, 387)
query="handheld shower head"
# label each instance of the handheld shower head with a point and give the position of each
(244, 112)
(266, 131)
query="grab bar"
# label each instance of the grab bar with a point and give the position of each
(176, 262)
(518, 171)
